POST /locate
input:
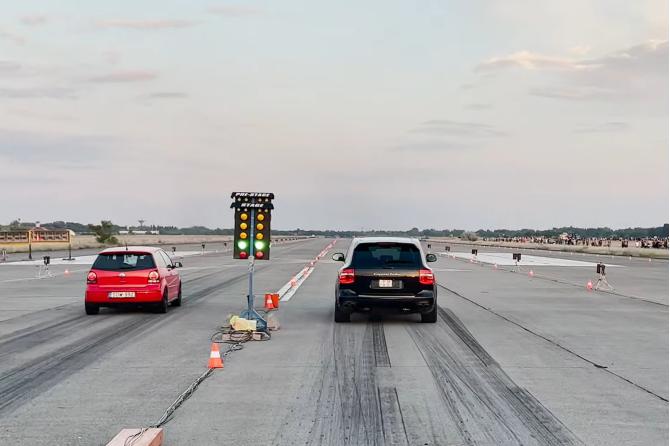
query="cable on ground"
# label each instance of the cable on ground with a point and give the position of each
(235, 339)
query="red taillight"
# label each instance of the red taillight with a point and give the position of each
(154, 277)
(347, 276)
(426, 277)
(92, 277)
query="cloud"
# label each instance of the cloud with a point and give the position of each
(38, 92)
(605, 127)
(34, 19)
(234, 11)
(8, 67)
(146, 24)
(477, 107)
(125, 77)
(454, 128)
(654, 50)
(430, 146)
(573, 93)
(167, 95)
(40, 115)
(54, 150)
(531, 61)
(147, 99)
(634, 74)
(12, 37)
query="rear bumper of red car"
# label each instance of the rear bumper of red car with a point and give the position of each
(143, 294)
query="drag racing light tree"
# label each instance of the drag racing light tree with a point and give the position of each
(262, 234)
(253, 213)
(241, 244)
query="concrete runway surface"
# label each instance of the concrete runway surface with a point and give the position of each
(512, 360)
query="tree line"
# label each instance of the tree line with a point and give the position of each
(600, 232)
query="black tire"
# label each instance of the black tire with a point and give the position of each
(341, 316)
(430, 317)
(92, 309)
(177, 301)
(162, 307)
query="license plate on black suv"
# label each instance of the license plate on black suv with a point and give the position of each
(387, 284)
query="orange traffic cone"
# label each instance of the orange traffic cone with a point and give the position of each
(275, 300)
(215, 361)
(268, 302)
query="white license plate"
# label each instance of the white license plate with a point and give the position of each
(386, 283)
(121, 294)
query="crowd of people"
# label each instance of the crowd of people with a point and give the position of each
(608, 242)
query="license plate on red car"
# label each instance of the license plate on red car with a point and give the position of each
(121, 294)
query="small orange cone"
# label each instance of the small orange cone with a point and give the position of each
(215, 361)
(268, 302)
(275, 300)
(589, 285)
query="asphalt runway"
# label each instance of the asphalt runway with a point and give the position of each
(514, 359)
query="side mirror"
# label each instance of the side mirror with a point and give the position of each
(338, 257)
(431, 258)
(178, 264)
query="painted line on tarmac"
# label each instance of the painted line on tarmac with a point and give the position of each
(598, 366)
(289, 289)
(53, 275)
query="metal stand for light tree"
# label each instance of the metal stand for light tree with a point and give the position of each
(250, 313)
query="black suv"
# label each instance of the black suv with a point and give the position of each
(385, 273)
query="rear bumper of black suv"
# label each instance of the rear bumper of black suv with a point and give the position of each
(421, 303)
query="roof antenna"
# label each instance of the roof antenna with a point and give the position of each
(126, 245)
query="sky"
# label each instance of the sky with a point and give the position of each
(357, 115)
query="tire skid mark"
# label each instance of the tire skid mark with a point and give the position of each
(33, 377)
(344, 403)
(487, 405)
(379, 345)
(25, 382)
(28, 337)
(393, 424)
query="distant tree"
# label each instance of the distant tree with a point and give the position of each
(103, 232)
(469, 236)
(15, 225)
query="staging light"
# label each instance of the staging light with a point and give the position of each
(244, 217)
(261, 217)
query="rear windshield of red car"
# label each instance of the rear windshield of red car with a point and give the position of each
(124, 261)
(386, 255)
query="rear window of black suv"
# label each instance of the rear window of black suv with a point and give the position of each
(386, 255)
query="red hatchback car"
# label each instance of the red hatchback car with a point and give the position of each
(138, 275)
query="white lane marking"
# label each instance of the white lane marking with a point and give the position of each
(288, 290)
(53, 275)
(505, 259)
